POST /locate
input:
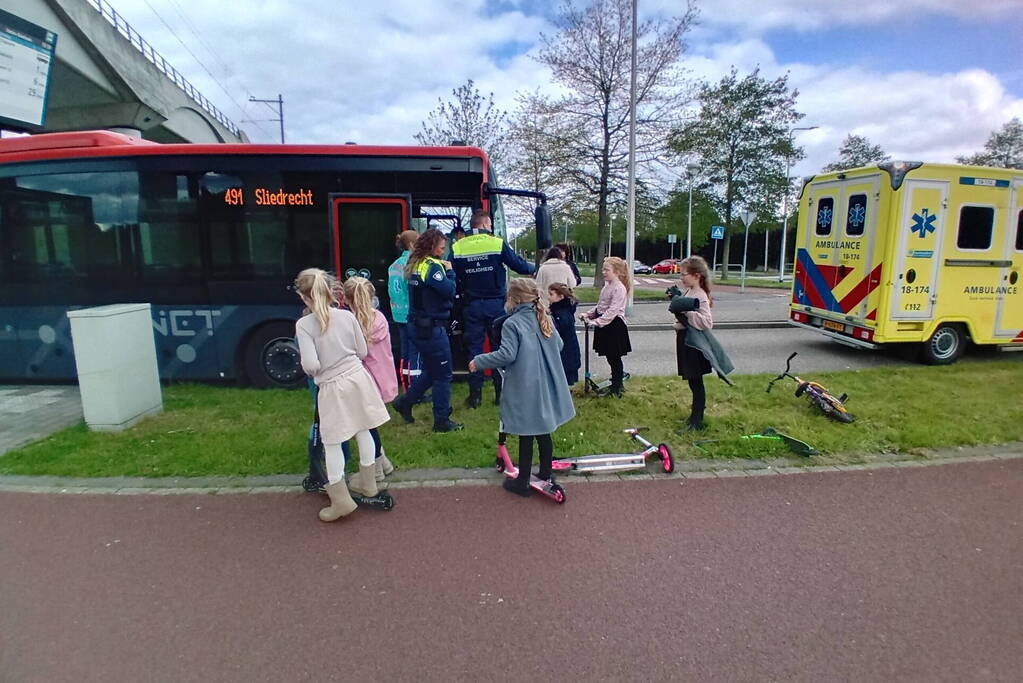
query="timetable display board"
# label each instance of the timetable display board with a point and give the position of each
(26, 64)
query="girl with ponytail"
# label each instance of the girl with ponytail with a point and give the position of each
(359, 294)
(332, 346)
(535, 400)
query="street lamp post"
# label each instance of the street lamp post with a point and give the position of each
(691, 171)
(785, 205)
(747, 217)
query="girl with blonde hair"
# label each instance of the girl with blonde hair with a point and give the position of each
(697, 351)
(611, 338)
(359, 294)
(332, 346)
(535, 400)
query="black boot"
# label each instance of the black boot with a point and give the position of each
(447, 426)
(617, 389)
(695, 422)
(498, 385)
(517, 487)
(475, 397)
(403, 409)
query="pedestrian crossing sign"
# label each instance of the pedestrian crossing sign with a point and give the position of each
(717, 232)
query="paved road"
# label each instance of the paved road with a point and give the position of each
(765, 350)
(899, 574)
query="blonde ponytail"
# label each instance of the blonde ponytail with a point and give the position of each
(317, 287)
(543, 318)
(524, 290)
(359, 293)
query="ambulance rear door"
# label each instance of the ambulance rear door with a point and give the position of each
(817, 256)
(857, 276)
(920, 227)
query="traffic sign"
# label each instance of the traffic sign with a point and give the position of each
(672, 239)
(717, 232)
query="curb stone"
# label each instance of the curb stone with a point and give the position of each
(450, 477)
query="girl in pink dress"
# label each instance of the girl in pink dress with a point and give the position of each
(611, 338)
(359, 295)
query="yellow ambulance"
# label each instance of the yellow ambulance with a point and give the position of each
(908, 252)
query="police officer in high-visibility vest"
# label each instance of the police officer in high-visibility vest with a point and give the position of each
(431, 284)
(479, 262)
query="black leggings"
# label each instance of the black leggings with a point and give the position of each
(546, 448)
(617, 369)
(699, 394)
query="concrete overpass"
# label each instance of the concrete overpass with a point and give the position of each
(107, 76)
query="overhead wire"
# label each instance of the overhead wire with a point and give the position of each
(201, 64)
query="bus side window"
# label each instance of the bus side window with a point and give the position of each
(975, 227)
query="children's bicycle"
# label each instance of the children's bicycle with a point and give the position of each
(817, 394)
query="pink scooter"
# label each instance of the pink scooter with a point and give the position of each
(504, 464)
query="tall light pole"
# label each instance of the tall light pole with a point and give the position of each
(691, 171)
(630, 229)
(785, 205)
(280, 111)
(747, 217)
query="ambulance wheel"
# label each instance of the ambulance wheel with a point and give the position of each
(945, 345)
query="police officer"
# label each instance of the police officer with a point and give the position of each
(479, 262)
(431, 284)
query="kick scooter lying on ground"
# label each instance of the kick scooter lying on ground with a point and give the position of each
(817, 395)
(599, 388)
(620, 462)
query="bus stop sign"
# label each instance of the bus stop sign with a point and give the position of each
(717, 232)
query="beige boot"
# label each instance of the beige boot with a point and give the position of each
(341, 503)
(364, 482)
(383, 467)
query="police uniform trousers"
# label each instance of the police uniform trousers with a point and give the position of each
(479, 316)
(435, 354)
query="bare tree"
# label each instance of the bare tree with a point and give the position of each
(469, 118)
(590, 58)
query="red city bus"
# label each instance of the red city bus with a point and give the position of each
(210, 235)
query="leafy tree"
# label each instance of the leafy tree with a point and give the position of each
(1003, 149)
(471, 118)
(857, 151)
(590, 59)
(740, 137)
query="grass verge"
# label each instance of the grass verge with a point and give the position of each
(207, 431)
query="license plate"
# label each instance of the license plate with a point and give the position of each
(832, 325)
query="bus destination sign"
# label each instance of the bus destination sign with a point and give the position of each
(26, 63)
(235, 196)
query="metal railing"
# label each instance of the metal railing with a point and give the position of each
(157, 60)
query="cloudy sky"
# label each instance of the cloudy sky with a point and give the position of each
(926, 79)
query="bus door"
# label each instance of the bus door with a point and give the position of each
(817, 257)
(363, 229)
(920, 227)
(1009, 293)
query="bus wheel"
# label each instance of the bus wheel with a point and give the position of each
(271, 358)
(944, 346)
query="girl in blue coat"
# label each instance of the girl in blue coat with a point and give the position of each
(535, 400)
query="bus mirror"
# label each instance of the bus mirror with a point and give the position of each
(543, 228)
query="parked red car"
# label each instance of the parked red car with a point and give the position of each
(667, 266)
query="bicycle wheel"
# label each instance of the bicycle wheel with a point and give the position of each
(837, 414)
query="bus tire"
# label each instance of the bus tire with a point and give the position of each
(945, 345)
(271, 358)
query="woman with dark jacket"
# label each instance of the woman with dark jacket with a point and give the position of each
(563, 304)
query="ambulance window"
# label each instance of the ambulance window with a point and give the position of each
(825, 214)
(857, 216)
(1019, 231)
(975, 223)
